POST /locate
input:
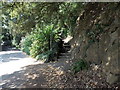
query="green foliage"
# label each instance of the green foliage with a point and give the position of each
(5, 38)
(37, 48)
(21, 17)
(26, 44)
(41, 43)
(16, 40)
(1, 36)
(46, 23)
(42, 56)
(45, 56)
(79, 65)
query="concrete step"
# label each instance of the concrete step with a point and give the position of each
(66, 44)
(66, 54)
(66, 47)
(62, 59)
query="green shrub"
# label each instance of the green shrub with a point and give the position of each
(42, 43)
(26, 44)
(16, 40)
(44, 56)
(79, 65)
(43, 46)
(37, 48)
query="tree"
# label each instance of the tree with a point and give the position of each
(48, 20)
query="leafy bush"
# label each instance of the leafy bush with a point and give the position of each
(43, 42)
(79, 65)
(37, 48)
(6, 39)
(16, 40)
(26, 44)
(40, 43)
(44, 56)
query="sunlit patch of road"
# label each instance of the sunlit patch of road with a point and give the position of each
(11, 61)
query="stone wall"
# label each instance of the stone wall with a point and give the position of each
(96, 38)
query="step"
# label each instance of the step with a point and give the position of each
(64, 59)
(66, 54)
(66, 44)
(67, 49)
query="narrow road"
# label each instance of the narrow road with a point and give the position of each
(17, 70)
(12, 61)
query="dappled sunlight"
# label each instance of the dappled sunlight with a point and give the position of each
(59, 45)
(109, 58)
(77, 44)
(23, 78)
(57, 70)
(67, 61)
(108, 61)
(13, 66)
(95, 67)
(12, 61)
(33, 76)
(13, 72)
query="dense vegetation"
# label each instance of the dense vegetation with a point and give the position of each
(38, 28)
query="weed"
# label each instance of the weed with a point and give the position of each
(79, 65)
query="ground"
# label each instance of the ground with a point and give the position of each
(21, 71)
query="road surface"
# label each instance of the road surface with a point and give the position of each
(12, 61)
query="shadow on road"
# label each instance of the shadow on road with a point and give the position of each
(29, 77)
